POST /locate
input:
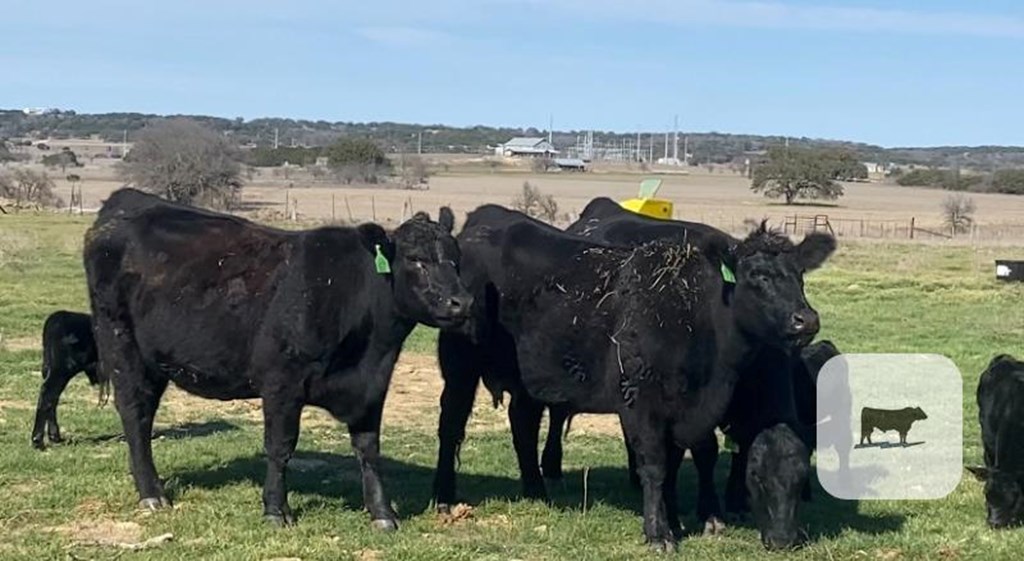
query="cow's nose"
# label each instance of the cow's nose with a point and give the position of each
(804, 322)
(459, 305)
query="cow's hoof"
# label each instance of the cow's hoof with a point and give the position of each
(56, 438)
(443, 508)
(384, 525)
(280, 520)
(37, 443)
(537, 492)
(714, 526)
(662, 545)
(154, 504)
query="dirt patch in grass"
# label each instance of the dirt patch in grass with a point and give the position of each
(415, 394)
(413, 402)
(15, 344)
(101, 532)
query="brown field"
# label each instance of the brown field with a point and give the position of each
(722, 198)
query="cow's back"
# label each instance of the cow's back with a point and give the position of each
(1001, 412)
(210, 296)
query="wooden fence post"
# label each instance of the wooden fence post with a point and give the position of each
(334, 218)
(912, 218)
(373, 207)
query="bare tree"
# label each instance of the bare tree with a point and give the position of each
(413, 172)
(958, 213)
(541, 164)
(29, 188)
(183, 161)
(536, 204)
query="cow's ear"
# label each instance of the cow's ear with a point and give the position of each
(814, 250)
(718, 250)
(421, 215)
(374, 236)
(446, 218)
(980, 472)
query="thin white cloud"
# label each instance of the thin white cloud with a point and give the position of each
(781, 15)
(404, 36)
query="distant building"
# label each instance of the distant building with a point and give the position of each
(39, 110)
(526, 146)
(570, 164)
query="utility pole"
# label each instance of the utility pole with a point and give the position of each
(675, 139)
(419, 143)
(638, 156)
(686, 150)
(551, 124)
(666, 145)
(275, 138)
(651, 157)
(124, 144)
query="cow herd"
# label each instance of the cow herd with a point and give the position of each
(675, 327)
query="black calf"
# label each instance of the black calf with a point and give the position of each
(68, 348)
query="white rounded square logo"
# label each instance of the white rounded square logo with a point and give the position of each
(890, 426)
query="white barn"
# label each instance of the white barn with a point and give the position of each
(526, 146)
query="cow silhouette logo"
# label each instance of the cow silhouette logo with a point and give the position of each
(899, 420)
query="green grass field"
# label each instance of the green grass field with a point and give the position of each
(77, 501)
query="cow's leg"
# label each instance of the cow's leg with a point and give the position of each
(54, 382)
(137, 396)
(648, 439)
(709, 510)
(524, 414)
(673, 459)
(366, 442)
(634, 478)
(551, 460)
(280, 436)
(736, 495)
(903, 438)
(460, 369)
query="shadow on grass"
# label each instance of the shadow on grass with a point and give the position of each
(805, 204)
(337, 477)
(177, 432)
(887, 445)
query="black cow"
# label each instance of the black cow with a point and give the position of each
(483, 349)
(776, 471)
(899, 420)
(227, 309)
(764, 395)
(1001, 414)
(68, 348)
(806, 389)
(654, 334)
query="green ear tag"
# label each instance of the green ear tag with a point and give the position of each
(727, 275)
(381, 262)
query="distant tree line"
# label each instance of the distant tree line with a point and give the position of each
(711, 147)
(1009, 181)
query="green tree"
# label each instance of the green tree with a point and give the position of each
(63, 159)
(357, 159)
(184, 161)
(845, 165)
(1008, 181)
(5, 154)
(794, 173)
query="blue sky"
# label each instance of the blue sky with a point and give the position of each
(891, 72)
